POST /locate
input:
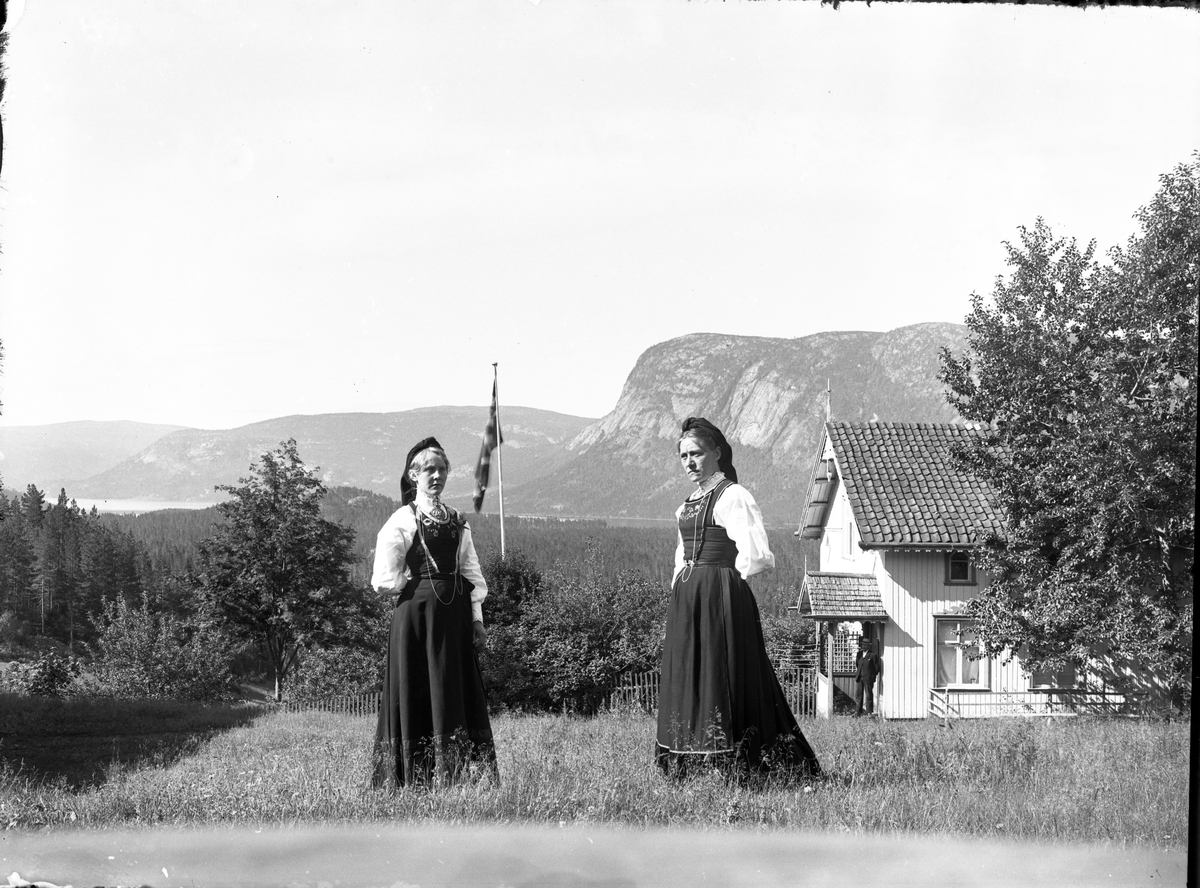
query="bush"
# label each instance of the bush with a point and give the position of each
(142, 653)
(336, 671)
(583, 631)
(513, 582)
(787, 635)
(50, 675)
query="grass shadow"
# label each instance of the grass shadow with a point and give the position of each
(79, 741)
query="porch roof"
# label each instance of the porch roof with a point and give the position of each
(841, 596)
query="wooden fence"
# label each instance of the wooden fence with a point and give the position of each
(355, 704)
(640, 689)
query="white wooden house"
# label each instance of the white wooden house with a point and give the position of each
(898, 523)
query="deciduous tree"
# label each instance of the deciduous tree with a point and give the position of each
(275, 571)
(1083, 376)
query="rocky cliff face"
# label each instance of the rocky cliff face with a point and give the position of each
(768, 395)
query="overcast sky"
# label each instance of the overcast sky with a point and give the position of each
(224, 212)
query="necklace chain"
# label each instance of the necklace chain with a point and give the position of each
(437, 510)
(706, 487)
(429, 559)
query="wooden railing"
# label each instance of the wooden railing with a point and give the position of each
(948, 704)
(939, 705)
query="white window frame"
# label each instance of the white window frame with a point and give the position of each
(1055, 684)
(985, 665)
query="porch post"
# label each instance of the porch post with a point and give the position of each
(825, 681)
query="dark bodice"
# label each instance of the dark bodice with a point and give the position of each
(704, 541)
(439, 541)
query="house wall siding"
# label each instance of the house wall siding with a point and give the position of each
(914, 590)
(840, 552)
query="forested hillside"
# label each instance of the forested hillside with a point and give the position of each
(58, 563)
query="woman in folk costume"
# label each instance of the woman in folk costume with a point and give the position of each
(719, 698)
(433, 718)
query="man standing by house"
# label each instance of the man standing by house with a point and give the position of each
(867, 667)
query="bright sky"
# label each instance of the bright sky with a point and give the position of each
(224, 212)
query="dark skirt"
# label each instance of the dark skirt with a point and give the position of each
(433, 718)
(719, 700)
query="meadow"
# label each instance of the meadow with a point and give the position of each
(1067, 780)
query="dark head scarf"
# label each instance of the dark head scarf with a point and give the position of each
(707, 430)
(408, 492)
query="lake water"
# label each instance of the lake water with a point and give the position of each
(133, 506)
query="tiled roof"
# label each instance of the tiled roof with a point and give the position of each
(845, 596)
(905, 489)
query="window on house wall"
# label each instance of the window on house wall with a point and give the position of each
(957, 663)
(960, 569)
(1048, 678)
(832, 544)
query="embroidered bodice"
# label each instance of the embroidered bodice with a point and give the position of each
(705, 541)
(436, 540)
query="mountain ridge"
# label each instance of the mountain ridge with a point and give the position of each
(363, 450)
(769, 397)
(768, 394)
(58, 454)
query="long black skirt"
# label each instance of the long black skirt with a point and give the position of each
(720, 701)
(433, 718)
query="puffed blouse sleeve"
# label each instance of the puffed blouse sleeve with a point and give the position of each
(391, 547)
(739, 514)
(468, 566)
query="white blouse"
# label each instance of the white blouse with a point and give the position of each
(738, 513)
(391, 548)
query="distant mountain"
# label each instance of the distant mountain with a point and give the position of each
(768, 395)
(55, 455)
(364, 450)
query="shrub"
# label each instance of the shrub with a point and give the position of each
(513, 582)
(786, 634)
(584, 630)
(141, 653)
(336, 671)
(50, 675)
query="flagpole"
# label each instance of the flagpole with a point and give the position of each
(499, 457)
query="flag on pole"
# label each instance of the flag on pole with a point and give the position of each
(492, 438)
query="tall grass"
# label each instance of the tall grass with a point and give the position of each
(1067, 779)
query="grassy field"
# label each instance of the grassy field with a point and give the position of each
(1068, 779)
